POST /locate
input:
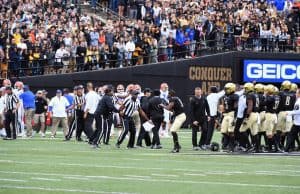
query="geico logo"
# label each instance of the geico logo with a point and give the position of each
(273, 71)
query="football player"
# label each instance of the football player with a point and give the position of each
(287, 101)
(251, 115)
(230, 103)
(260, 97)
(271, 118)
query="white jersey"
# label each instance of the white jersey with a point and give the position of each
(296, 113)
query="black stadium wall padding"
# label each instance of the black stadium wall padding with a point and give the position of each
(182, 75)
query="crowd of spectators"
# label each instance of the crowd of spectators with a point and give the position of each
(46, 36)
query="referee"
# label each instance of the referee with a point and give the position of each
(78, 121)
(130, 104)
(104, 117)
(12, 103)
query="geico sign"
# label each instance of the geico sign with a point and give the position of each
(273, 71)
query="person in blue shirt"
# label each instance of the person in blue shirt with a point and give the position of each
(70, 99)
(190, 31)
(180, 40)
(28, 99)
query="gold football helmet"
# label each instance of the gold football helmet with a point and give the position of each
(269, 89)
(249, 87)
(286, 85)
(294, 87)
(229, 88)
(259, 88)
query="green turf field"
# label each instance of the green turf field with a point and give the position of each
(53, 166)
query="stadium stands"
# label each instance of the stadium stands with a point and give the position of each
(44, 37)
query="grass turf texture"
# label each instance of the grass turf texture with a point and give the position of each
(53, 166)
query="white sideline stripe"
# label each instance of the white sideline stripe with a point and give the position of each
(12, 180)
(44, 179)
(165, 175)
(131, 167)
(161, 180)
(187, 174)
(76, 178)
(56, 189)
(136, 176)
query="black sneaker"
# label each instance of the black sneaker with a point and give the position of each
(79, 139)
(7, 138)
(158, 147)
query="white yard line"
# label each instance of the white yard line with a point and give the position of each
(136, 176)
(188, 174)
(44, 179)
(76, 178)
(57, 189)
(133, 167)
(165, 175)
(12, 180)
(134, 179)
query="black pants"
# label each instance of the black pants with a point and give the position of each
(195, 128)
(293, 134)
(210, 130)
(10, 119)
(143, 135)
(76, 124)
(88, 129)
(237, 134)
(155, 131)
(103, 129)
(128, 126)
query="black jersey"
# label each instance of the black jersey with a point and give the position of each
(260, 100)
(255, 100)
(270, 104)
(178, 106)
(277, 102)
(287, 101)
(230, 102)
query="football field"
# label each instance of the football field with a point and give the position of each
(53, 166)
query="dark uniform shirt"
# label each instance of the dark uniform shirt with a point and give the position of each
(156, 112)
(287, 101)
(270, 104)
(229, 102)
(40, 104)
(261, 99)
(106, 107)
(178, 106)
(255, 99)
(277, 102)
(199, 108)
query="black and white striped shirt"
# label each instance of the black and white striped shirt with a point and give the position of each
(11, 102)
(78, 102)
(130, 106)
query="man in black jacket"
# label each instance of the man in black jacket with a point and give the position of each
(156, 113)
(199, 111)
(104, 118)
(145, 107)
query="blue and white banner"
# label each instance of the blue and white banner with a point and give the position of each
(271, 71)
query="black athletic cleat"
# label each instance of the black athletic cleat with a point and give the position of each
(117, 145)
(175, 150)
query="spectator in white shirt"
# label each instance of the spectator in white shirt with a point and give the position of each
(58, 109)
(129, 48)
(91, 103)
(2, 106)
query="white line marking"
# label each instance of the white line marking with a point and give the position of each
(135, 176)
(44, 179)
(76, 178)
(166, 180)
(165, 175)
(188, 174)
(12, 180)
(58, 189)
(132, 167)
